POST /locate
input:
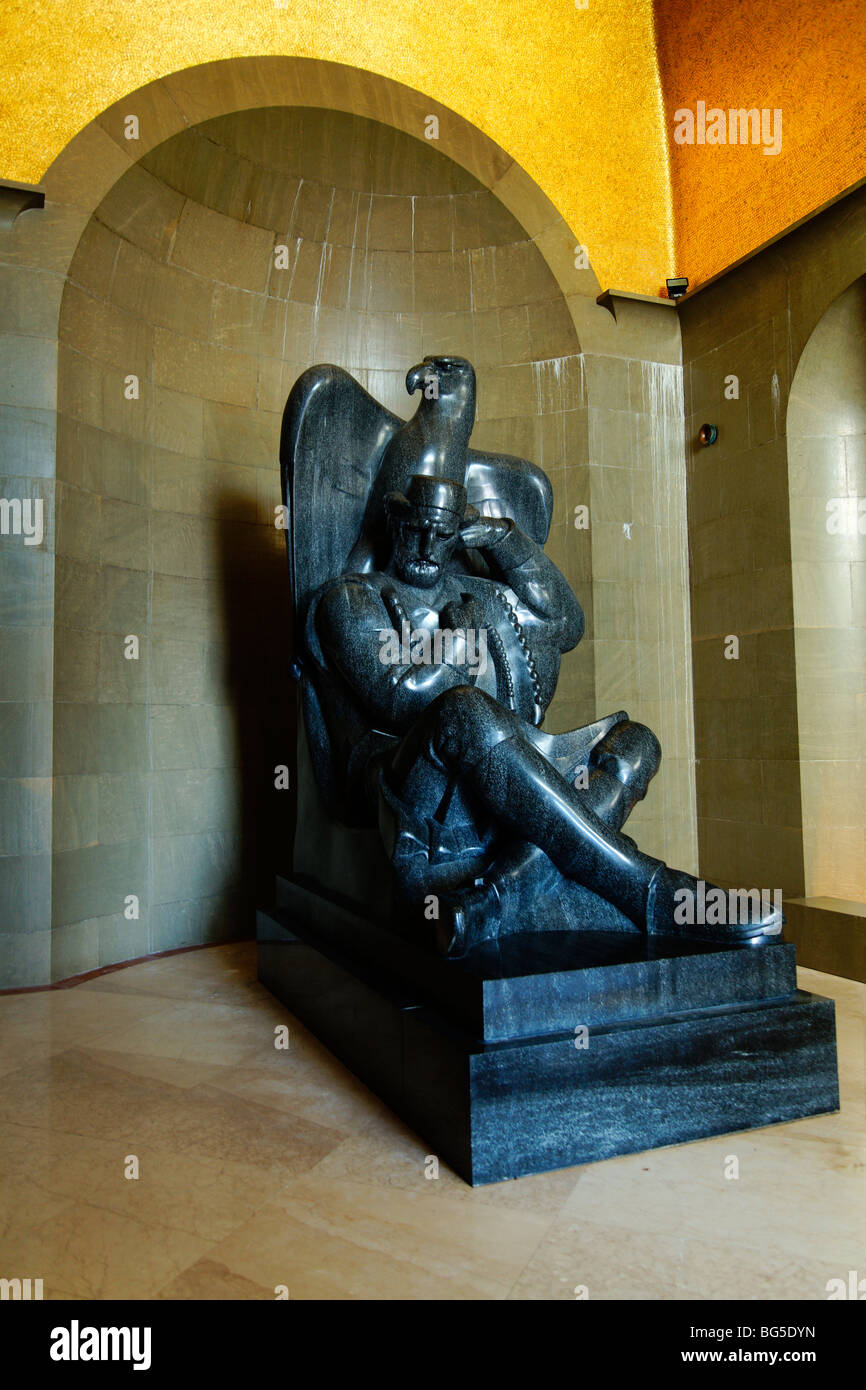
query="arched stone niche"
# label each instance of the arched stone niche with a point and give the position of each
(826, 428)
(181, 296)
(152, 778)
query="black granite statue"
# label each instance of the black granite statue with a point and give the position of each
(430, 654)
(569, 1010)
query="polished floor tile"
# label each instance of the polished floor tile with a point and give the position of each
(261, 1168)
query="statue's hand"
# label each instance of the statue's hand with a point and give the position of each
(481, 532)
(458, 615)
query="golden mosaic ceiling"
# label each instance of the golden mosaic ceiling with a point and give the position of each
(583, 94)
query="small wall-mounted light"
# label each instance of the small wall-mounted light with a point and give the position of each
(708, 434)
(677, 286)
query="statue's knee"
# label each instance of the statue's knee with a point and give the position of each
(632, 754)
(467, 723)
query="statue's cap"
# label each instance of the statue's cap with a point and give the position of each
(431, 494)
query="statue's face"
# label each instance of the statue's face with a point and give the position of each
(424, 541)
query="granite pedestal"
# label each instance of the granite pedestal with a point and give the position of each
(553, 1049)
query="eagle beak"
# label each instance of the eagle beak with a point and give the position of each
(416, 376)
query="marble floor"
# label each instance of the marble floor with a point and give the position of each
(260, 1169)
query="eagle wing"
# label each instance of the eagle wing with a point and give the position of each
(333, 436)
(504, 485)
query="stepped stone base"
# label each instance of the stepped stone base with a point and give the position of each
(554, 1049)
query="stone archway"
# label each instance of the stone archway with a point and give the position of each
(213, 272)
(97, 157)
(592, 420)
(826, 431)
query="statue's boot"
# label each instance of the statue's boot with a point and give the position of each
(671, 910)
(623, 764)
(473, 915)
(467, 918)
(493, 905)
(521, 788)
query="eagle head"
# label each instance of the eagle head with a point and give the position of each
(450, 381)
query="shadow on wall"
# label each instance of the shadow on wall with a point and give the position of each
(254, 582)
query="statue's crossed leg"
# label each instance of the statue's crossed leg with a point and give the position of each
(466, 738)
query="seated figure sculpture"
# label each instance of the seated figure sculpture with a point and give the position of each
(433, 625)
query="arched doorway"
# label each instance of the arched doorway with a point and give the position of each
(827, 477)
